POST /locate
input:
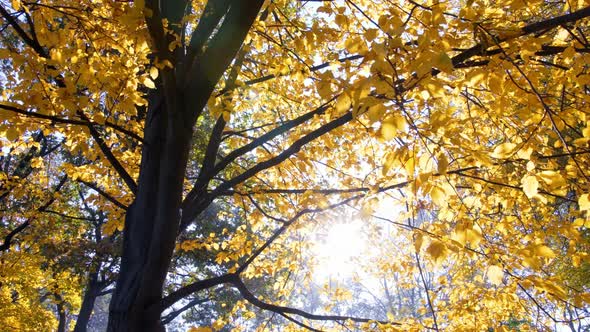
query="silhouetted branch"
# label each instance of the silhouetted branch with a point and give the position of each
(110, 156)
(248, 296)
(104, 194)
(170, 317)
(8, 238)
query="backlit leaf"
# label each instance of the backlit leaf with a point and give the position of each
(495, 274)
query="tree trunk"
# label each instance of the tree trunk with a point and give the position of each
(127, 312)
(152, 222)
(61, 313)
(87, 303)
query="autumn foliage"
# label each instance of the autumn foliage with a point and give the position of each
(167, 151)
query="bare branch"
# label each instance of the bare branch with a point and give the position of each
(104, 194)
(56, 119)
(285, 127)
(248, 296)
(299, 323)
(182, 292)
(170, 317)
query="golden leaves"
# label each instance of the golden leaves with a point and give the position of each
(495, 274)
(437, 250)
(148, 83)
(415, 123)
(200, 329)
(438, 195)
(584, 202)
(504, 150)
(466, 232)
(392, 126)
(530, 185)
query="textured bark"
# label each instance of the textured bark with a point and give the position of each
(124, 314)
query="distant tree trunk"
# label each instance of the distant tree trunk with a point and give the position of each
(61, 313)
(90, 295)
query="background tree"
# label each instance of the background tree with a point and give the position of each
(280, 113)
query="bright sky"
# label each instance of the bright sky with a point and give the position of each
(335, 249)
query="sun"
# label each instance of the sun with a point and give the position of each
(335, 249)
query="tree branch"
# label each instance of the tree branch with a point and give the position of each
(182, 292)
(110, 156)
(286, 225)
(311, 69)
(8, 238)
(480, 49)
(33, 43)
(169, 317)
(248, 296)
(212, 15)
(294, 148)
(285, 127)
(69, 121)
(206, 69)
(305, 326)
(103, 194)
(235, 280)
(192, 208)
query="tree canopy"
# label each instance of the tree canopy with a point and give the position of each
(182, 156)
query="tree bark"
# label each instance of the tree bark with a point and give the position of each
(124, 313)
(87, 303)
(61, 313)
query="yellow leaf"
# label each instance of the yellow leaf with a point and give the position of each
(11, 134)
(418, 240)
(530, 185)
(584, 202)
(525, 153)
(200, 329)
(390, 159)
(544, 251)
(437, 250)
(474, 77)
(392, 126)
(370, 34)
(342, 103)
(444, 63)
(495, 274)
(473, 235)
(503, 150)
(149, 83)
(443, 163)
(388, 131)
(438, 196)
(154, 73)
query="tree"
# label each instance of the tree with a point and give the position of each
(281, 112)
